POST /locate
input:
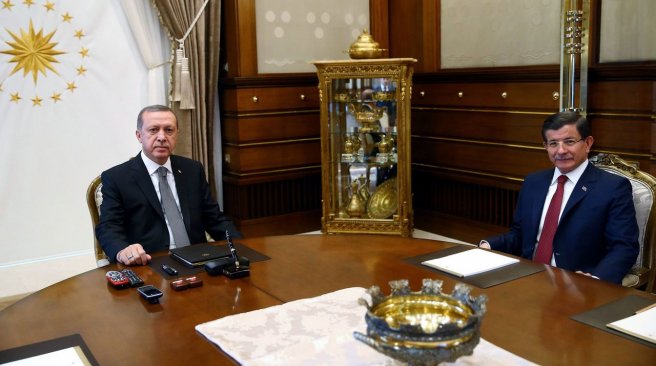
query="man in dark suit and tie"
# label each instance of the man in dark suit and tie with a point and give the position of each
(591, 226)
(157, 200)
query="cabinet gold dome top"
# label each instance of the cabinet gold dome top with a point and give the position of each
(365, 47)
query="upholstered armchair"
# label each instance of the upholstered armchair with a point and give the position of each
(94, 200)
(643, 273)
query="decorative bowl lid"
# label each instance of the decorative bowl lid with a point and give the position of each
(365, 47)
(364, 41)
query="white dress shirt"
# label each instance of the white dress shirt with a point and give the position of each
(572, 178)
(152, 167)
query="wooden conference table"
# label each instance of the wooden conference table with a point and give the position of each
(529, 316)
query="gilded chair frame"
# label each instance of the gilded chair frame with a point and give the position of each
(94, 200)
(643, 273)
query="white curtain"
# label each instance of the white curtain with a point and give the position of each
(64, 118)
(153, 45)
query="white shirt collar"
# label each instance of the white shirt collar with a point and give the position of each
(152, 166)
(574, 175)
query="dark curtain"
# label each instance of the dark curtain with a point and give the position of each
(202, 50)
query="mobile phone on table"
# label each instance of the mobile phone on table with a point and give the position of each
(150, 293)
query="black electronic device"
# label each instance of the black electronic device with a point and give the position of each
(117, 279)
(235, 269)
(150, 293)
(134, 279)
(197, 255)
(244, 261)
(170, 270)
(215, 267)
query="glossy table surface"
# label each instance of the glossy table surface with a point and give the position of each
(529, 316)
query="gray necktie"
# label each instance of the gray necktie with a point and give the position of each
(171, 210)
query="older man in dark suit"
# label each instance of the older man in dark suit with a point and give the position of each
(594, 229)
(134, 217)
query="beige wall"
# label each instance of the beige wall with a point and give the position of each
(293, 33)
(628, 30)
(490, 33)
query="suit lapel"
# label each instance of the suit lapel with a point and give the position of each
(145, 184)
(585, 183)
(181, 186)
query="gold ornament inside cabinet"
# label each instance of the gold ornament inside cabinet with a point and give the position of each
(365, 139)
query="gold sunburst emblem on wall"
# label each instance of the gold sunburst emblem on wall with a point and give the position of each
(42, 54)
(33, 52)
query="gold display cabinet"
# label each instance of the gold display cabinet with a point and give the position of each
(365, 145)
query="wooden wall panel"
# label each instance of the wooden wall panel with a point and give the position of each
(633, 96)
(265, 157)
(495, 161)
(378, 19)
(270, 128)
(414, 32)
(277, 204)
(471, 201)
(277, 195)
(292, 223)
(475, 132)
(497, 95)
(479, 126)
(472, 147)
(406, 39)
(261, 99)
(272, 155)
(624, 135)
(238, 34)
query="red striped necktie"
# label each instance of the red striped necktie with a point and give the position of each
(545, 244)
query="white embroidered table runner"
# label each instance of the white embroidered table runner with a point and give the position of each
(317, 331)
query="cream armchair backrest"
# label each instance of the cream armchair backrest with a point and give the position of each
(643, 272)
(94, 200)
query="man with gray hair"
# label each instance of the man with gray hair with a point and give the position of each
(157, 200)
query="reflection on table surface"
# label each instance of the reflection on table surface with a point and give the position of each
(529, 316)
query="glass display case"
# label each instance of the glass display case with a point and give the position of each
(365, 145)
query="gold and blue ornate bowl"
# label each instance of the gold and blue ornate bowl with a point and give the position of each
(423, 328)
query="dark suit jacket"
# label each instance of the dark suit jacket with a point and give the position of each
(597, 232)
(131, 212)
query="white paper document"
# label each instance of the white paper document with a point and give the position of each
(470, 262)
(641, 325)
(72, 356)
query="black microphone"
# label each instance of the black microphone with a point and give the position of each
(233, 251)
(237, 270)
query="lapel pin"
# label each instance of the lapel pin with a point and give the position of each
(584, 188)
(179, 171)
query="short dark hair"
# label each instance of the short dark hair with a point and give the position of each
(558, 120)
(154, 108)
